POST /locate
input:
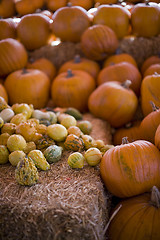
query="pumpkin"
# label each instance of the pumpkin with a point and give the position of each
(118, 58)
(26, 33)
(72, 89)
(130, 169)
(24, 7)
(114, 16)
(157, 137)
(53, 153)
(7, 8)
(114, 102)
(13, 56)
(7, 28)
(87, 4)
(150, 88)
(145, 19)
(39, 159)
(30, 86)
(98, 41)
(150, 123)
(137, 218)
(121, 72)
(26, 172)
(53, 5)
(3, 92)
(69, 23)
(81, 63)
(44, 65)
(73, 143)
(149, 61)
(154, 68)
(105, 1)
(131, 131)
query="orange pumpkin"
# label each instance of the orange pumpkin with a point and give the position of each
(7, 28)
(130, 169)
(53, 5)
(87, 4)
(114, 16)
(72, 89)
(105, 1)
(121, 72)
(157, 137)
(70, 22)
(145, 19)
(81, 63)
(13, 56)
(114, 102)
(24, 7)
(154, 68)
(26, 33)
(137, 218)
(98, 41)
(3, 92)
(118, 58)
(148, 62)
(150, 89)
(44, 65)
(30, 86)
(7, 8)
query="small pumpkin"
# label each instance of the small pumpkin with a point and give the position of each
(54, 5)
(24, 7)
(7, 8)
(130, 169)
(7, 28)
(53, 153)
(154, 59)
(154, 68)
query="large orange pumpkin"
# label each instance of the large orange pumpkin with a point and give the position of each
(114, 102)
(7, 28)
(7, 8)
(99, 41)
(13, 56)
(148, 62)
(53, 5)
(137, 218)
(114, 16)
(72, 89)
(121, 72)
(154, 68)
(118, 58)
(70, 22)
(130, 169)
(24, 7)
(34, 30)
(28, 86)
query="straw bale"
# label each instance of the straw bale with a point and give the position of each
(65, 204)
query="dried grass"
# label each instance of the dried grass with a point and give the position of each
(65, 204)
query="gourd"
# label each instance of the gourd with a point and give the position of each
(7, 114)
(16, 142)
(53, 153)
(9, 128)
(26, 172)
(68, 121)
(1, 122)
(4, 154)
(73, 143)
(57, 132)
(29, 147)
(23, 108)
(76, 160)
(39, 160)
(85, 126)
(16, 156)
(3, 103)
(27, 130)
(75, 130)
(74, 112)
(44, 142)
(141, 219)
(18, 118)
(38, 114)
(130, 169)
(3, 138)
(88, 141)
(93, 156)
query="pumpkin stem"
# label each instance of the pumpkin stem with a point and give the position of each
(69, 4)
(154, 107)
(69, 73)
(125, 140)
(77, 59)
(126, 84)
(155, 197)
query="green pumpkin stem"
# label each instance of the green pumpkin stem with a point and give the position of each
(125, 140)
(126, 84)
(154, 107)
(69, 73)
(77, 59)
(155, 197)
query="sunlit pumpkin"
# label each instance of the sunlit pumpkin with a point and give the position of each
(130, 169)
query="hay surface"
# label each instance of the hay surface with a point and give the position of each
(65, 204)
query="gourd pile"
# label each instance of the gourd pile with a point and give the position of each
(110, 85)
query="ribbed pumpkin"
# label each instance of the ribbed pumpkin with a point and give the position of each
(105, 1)
(3, 92)
(137, 218)
(98, 41)
(30, 86)
(154, 68)
(72, 89)
(44, 65)
(114, 16)
(7, 28)
(145, 19)
(157, 137)
(70, 22)
(26, 33)
(114, 102)
(13, 56)
(53, 5)
(130, 169)
(148, 62)
(150, 89)
(118, 58)
(121, 72)
(87, 4)
(7, 8)
(24, 7)
(81, 63)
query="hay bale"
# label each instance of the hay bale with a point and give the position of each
(65, 204)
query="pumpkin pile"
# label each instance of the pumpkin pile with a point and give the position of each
(109, 84)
